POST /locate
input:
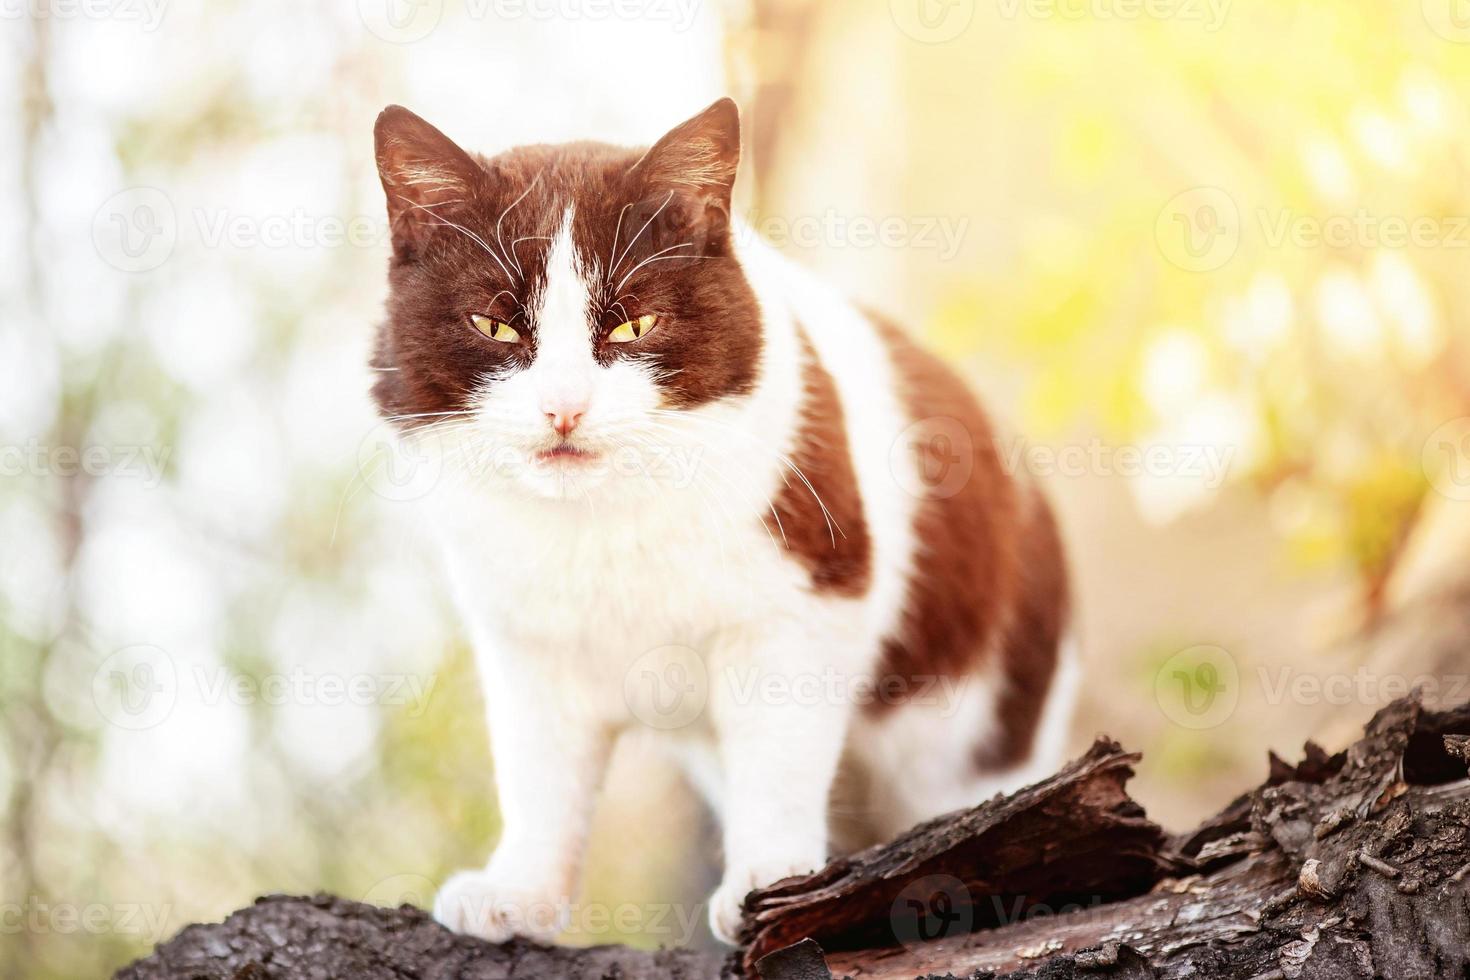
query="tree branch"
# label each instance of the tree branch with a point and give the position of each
(1346, 867)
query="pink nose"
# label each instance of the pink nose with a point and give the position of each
(564, 416)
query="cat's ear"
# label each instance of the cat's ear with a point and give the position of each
(698, 157)
(422, 170)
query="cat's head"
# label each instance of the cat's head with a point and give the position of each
(556, 311)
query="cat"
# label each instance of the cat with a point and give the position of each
(686, 487)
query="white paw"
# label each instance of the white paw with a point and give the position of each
(727, 904)
(478, 903)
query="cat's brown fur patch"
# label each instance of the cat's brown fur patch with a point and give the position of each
(989, 587)
(822, 525)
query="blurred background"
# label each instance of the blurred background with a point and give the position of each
(1212, 258)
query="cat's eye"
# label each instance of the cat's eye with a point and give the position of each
(495, 329)
(631, 330)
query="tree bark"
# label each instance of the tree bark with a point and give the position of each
(1346, 867)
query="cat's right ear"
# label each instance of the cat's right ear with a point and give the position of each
(422, 171)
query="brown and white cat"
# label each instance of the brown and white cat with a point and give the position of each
(672, 459)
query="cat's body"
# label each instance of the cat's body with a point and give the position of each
(767, 526)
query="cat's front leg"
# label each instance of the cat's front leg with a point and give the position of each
(549, 763)
(780, 729)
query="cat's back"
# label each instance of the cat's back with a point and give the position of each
(969, 576)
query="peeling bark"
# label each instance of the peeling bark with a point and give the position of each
(1346, 867)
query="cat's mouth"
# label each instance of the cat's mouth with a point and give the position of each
(565, 452)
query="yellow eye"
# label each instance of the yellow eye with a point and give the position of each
(631, 330)
(494, 329)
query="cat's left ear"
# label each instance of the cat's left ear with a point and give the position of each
(698, 157)
(422, 171)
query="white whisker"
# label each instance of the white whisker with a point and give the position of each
(469, 234)
(501, 241)
(833, 529)
(613, 252)
(653, 258)
(614, 269)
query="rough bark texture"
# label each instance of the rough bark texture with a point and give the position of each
(1346, 867)
(326, 938)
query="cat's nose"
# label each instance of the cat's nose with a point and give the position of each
(564, 414)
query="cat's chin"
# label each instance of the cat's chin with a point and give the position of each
(565, 474)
